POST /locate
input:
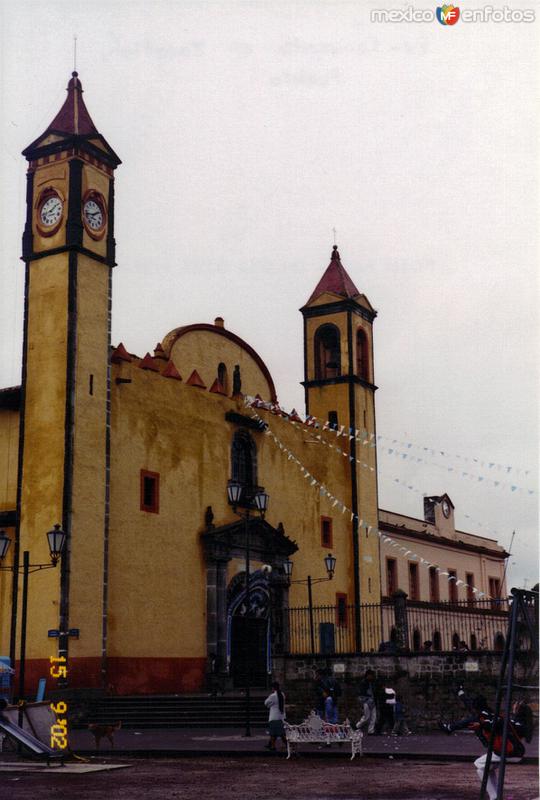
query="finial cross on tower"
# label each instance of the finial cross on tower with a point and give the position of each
(74, 52)
(335, 235)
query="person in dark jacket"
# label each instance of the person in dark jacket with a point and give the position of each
(483, 722)
(368, 695)
(320, 686)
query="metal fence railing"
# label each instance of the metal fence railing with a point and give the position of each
(410, 625)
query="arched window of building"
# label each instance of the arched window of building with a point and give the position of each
(327, 352)
(362, 355)
(393, 635)
(222, 376)
(498, 644)
(455, 641)
(474, 642)
(416, 640)
(437, 644)
(244, 459)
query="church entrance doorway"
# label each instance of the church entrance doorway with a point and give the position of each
(249, 635)
(248, 651)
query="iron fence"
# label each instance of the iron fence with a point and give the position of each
(390, 625)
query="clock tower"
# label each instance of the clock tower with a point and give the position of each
(64, 445)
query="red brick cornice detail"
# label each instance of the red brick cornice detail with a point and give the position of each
(217, 387)
(149, 363)
(159, 352)
(120, 354)
(195, 380)
(170, 371)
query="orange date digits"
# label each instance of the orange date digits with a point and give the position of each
(59, 708)
(57, 659)
(61, 672)
(59, 728)
(59, 741)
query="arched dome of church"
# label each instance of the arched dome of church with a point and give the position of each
(213, 351)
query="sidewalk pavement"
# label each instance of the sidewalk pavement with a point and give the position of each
(179, 742)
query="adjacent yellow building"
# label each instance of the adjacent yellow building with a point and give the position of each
(134, 455)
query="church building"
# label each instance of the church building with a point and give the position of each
(166, 469)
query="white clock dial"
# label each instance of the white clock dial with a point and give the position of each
(93, 214)
(446, 508)
(51, 211)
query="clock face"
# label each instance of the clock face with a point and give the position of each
(446, 508)
(94, 214)
(50, 211)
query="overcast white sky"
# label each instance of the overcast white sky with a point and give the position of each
(247, 132)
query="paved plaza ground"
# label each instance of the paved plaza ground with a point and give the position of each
(264, 778)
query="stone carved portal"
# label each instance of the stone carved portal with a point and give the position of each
(238, 639)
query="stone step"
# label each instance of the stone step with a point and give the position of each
(176, 711)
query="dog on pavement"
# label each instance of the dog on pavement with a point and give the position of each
(100, 732)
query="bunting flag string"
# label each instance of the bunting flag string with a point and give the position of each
(362, 524)
(487, 528)
(366, 439)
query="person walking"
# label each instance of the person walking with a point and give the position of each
(275, 703)
(483, 722)
(330, 708)
(388, 705)
(368, 697)
(400, 723)
(320, 685)
(334, 689)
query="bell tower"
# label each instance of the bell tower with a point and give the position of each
(69, 252)
(339, 389)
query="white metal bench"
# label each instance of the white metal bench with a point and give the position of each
(315, 730)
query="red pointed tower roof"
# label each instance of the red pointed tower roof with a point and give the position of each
(335, 280)
(73, 122)
(73, 117)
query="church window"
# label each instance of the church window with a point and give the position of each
(391, 576)
(341, 610)
(244, 459)
(452, 588)
(362, 355)
(326, 532)
(434, 595)
(495, 591)
(417, 640)
(327, 352)
(437, 641)
(469, 580)
(222, 376)
(150, 491)
(414, 591)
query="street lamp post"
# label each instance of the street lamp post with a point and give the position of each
(56, 539)
(330, 564)
(248, 497)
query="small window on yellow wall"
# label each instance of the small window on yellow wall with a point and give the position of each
(327, 538)
(150, 491)
(341, 610)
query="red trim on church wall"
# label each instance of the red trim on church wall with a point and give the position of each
(124, 675)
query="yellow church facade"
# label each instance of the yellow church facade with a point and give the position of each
(134, 456)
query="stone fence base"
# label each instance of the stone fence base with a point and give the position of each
(427, 685)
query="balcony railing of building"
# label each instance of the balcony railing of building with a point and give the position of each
(398, 624)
